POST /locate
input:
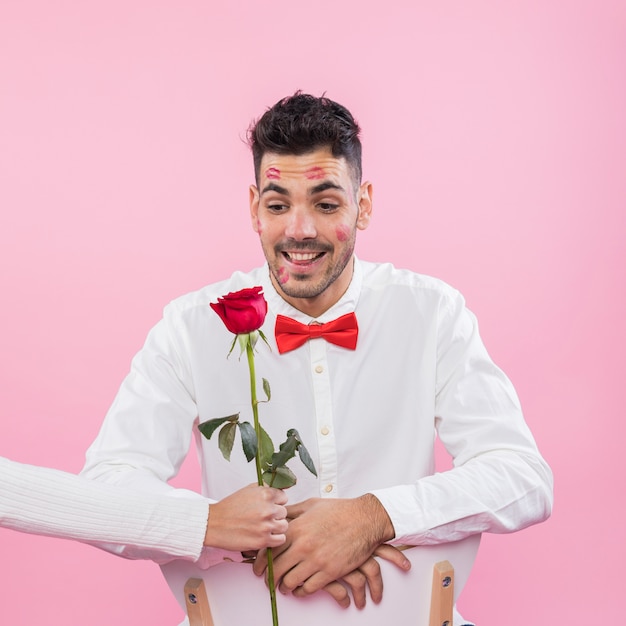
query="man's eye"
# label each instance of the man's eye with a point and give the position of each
(277, 207)
(327, 206)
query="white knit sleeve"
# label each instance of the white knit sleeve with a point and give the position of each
(50, 502)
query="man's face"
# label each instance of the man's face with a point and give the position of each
(306, 211)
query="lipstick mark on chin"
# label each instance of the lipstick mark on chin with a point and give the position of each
(315, 173)
(342, 233)
(272, 173)
(283, 275)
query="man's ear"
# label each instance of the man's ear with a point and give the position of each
(254, 208)
(364, 199)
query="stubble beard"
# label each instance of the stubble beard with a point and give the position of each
(306, 286)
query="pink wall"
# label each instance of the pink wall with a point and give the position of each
(495, 135)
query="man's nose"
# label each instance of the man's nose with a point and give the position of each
(301, 224)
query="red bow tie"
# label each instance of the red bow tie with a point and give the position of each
(291, 334)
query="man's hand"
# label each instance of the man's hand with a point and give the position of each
(331, 540)
(249, 519)
(366, 576)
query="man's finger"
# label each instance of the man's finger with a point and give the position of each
(295, 510)
(393, 555)
(358, 581)
(313, 583)
(260, 563)
(336, 591)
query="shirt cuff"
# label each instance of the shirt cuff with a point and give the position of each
(405, 514)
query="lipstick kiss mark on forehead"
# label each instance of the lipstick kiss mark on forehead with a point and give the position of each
(315, 173)
(272, 173)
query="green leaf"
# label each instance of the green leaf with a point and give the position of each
(248, 440)
(281, 478)
(226, 439)
(210, 426)
(264, 338)
(253, 338)
(232, 345)
(266, 449)
(286, 451)
(305, 457)
(266, 389)
(243, 342)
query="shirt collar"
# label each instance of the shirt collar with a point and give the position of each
(346, 304)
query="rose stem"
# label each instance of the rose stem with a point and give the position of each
(259, 473)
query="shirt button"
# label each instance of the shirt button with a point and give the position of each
(324, 430)
(319, 369)
(328, 488)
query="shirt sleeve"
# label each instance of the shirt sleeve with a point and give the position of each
(49, 502)
(499, 482)
(148, 429)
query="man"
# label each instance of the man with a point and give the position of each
(368, 415)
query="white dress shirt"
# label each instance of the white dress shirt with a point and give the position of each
(367, 416)
(45, 501)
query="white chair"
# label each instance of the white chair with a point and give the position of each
(230, 594)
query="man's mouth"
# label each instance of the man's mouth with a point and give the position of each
(302, 257)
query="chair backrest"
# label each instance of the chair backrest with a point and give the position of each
(237, 596)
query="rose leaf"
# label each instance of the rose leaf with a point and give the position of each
(226, 439)
(266, 389)
(210, 426)
(266, 449)
(280, 478)
(305, 457)
(248, 440)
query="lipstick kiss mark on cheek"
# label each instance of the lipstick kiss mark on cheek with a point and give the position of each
(315, 173)
(283, 275)
(259, 227)
(272, 173)
(342, 233)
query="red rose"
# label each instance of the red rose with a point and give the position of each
(242, 311)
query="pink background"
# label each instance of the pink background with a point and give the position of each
(495, 135)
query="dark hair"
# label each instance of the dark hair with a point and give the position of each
(302, 123)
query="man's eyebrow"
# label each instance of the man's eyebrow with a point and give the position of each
(324, 186)
(276, 188)
(314, 190)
